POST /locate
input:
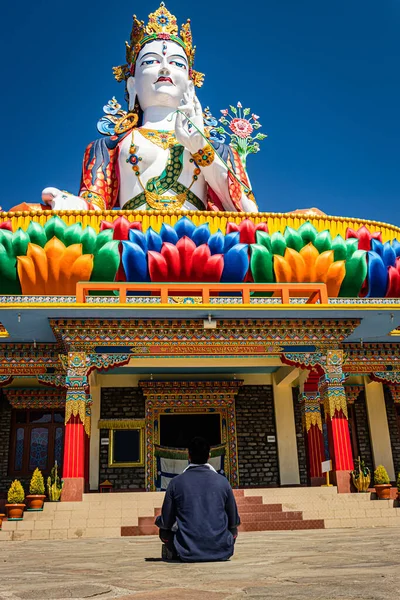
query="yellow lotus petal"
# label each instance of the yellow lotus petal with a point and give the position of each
(322, 264)
(335, 276)
(310, 255)
(81, 271)
(283, 271)
(38, 256)
(71, 254)
(27, 275)
(54, 252)
(297, 264)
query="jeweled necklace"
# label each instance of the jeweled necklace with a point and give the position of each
(162, 139)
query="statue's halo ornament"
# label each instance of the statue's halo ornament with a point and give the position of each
(162, 25)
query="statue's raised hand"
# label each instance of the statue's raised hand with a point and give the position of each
(59, 200)
(187, 131)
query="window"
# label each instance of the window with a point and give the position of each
(37, 439)
(125, 442)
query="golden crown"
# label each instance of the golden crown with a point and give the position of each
(162, 25)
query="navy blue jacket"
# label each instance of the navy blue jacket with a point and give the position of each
(202, 504)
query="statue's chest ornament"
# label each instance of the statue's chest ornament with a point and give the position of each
(156, 187)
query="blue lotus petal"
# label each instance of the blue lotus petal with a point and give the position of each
(137, 237)
(377, 246)
(154, 240)
(216, 242)
(389, 255)
(168, 234)
(396, 246)
(184, 227)
(231, 239)
(236, 264)
(377, 276)
(134, 261)
(201, 234)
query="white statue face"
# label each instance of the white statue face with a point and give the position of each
(161, 75)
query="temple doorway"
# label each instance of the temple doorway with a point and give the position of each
(176, 430)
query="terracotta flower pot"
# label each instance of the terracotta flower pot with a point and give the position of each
(15, 511)
(1, 519)
(383, 491)
(35, 501)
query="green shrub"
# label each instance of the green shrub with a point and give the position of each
(381, 475)
(398, 482)
(36, 487)
(16, 494)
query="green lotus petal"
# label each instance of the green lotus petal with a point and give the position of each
(9, 282)
(73, 234)
(88, 240)
(351, 246)
(356, 272)
(261, 264)
(323, 241)
(20, 242)
(264, 239)
(6, 238)
(37, 234)
(278, 243)
(308, 232)
(103, 237)
(106, 262)
(293, 239)
(339, 248)
(55, 227)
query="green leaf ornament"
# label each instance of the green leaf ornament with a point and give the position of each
(351, 246)
(278, 243)
(9, 282)
(88, 240)
(339, 248)
(233, 109)
(102, 238)
(261, 264)
(6, 238)
(73, 234)
(293, 239)
(323, 241)
(308, 232)
(55, 227)
(246, 112)
(106, 262)
(264, 239)
(356, 272)
(37, 234)
(20, 242)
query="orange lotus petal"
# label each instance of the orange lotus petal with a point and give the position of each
(310, 255)
(81, 271)
(322, 264)
(297, 264)
(54, 252)
(336, 274)
(27, 275)
(283, 271)
(71, 254)
(38, 256)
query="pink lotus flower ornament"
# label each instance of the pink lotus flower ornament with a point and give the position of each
(241, 127)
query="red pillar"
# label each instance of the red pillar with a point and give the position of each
(312, 422)
(74, 460)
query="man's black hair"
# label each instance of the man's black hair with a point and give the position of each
(199, 450)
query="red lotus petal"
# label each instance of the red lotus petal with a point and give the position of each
(247, 232)
(262, 227)
(6, 225)
(398, 263)
(186, 247)
(158, 268)
(213, 268)
(199, 260)
(106, 225)
(364, 237)
(393, 288)
(232, 227)
(377, 236)
(171, 255)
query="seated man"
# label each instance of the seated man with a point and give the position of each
(199, 517)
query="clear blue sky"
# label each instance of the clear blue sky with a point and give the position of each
(323, 76)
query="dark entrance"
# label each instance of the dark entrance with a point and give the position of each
(176, 431)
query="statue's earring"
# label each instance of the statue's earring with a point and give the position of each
(130, 120)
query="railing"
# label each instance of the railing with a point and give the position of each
(313, 292)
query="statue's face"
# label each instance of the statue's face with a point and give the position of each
(161, 74)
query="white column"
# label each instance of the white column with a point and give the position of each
(94, 458)
(285, 427)
(378, 426)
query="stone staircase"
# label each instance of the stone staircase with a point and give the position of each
(132, 513)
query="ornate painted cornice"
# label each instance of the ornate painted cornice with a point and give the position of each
(35, 398)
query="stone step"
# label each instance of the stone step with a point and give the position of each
(266, 508)
(265, 517)
(245, 500)
(283, 525)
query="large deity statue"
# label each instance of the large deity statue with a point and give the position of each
(159, 154)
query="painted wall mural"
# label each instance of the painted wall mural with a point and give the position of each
(50, 259)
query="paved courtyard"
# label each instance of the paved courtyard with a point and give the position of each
(346, 564)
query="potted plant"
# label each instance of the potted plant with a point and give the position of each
(36, 495)
(361, 475)
(382, 483)
(1, 519)
(15, 499)
(54, 485)
(398, 486)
